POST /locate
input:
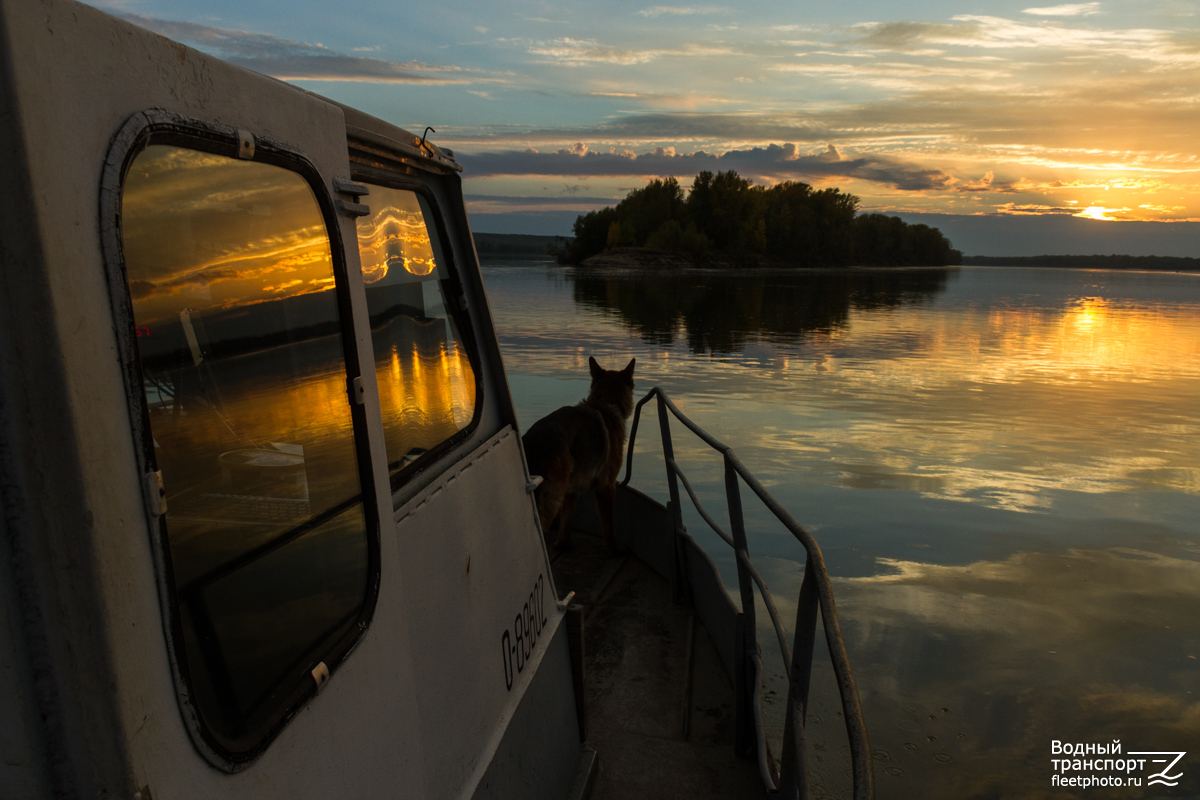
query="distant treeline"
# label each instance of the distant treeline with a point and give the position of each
(727, 218)
(1087, 262)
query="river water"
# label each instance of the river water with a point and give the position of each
(1002, 468)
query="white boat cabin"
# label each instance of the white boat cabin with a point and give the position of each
(267, 530)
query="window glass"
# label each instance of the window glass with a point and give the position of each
(426, 383)
(229, 270)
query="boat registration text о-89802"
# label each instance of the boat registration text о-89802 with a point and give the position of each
(518, 643)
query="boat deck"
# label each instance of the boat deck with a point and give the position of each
(660, 712)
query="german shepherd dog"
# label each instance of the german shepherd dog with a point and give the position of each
(578, 448)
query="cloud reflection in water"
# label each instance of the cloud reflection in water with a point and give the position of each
(1000, 465)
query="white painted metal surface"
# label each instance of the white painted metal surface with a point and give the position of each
(422, 706)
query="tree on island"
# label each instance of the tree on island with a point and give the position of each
(726, 217)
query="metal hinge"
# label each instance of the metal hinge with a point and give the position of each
(534, 482)
(156, 495)
(357, 393)
(355, 190)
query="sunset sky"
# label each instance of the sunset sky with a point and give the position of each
(1002, 111)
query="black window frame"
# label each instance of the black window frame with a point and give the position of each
(456, 305)
(157, 127)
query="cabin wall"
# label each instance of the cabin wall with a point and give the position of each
(25, 757)
(81, 603)
(59, 702)
(78, 92)
(539, 754)
(471, 534)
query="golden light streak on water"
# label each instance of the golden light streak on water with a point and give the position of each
(1090, 337)
(990, 409)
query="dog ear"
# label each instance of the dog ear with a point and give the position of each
(627, 373)
(594, 367)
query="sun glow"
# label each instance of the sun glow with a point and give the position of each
(1097, 212)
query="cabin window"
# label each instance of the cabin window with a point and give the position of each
(240, 342)
(426, 381)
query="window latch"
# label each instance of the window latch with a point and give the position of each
(351, 207)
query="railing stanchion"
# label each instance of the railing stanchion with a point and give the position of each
(743, 715)
(664, 424)
(748, 643)
(637, 415)
(794, 775)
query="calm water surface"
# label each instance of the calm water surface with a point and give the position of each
(1002, 467)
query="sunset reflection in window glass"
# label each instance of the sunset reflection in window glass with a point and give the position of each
(229, 269)
(426, 384)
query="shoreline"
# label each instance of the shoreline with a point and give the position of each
(641, 258)
(1109, 262)
(521, 247)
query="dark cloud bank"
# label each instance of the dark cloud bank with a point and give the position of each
(780, 162)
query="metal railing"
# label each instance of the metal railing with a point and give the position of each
(790, 780)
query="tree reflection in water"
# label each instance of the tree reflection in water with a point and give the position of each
(721, 312)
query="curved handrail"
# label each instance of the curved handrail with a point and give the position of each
(860, 749)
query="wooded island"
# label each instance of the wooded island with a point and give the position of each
(727, 219)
